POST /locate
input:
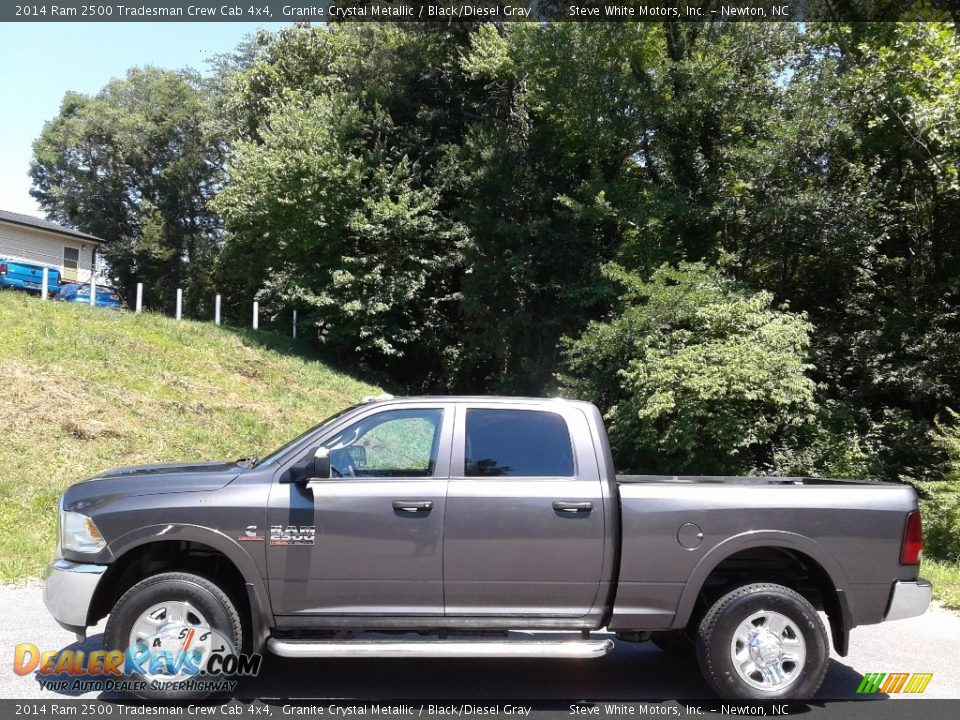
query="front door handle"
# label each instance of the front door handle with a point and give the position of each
(562, 506)
(413, 506)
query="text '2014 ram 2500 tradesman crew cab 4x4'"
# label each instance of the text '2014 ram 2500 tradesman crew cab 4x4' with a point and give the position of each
(426, 527)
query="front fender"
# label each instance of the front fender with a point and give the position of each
(261, 611)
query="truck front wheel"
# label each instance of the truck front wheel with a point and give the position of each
(763, 642)
(169, 626)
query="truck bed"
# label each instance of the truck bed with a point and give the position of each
(735, 480)
(676, 528)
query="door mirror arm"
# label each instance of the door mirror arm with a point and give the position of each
(312, 467)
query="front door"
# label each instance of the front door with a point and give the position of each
(368, 540)
(71, 264)
(525, 514)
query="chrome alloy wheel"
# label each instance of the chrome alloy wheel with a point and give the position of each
(175, 628)
(768, 651)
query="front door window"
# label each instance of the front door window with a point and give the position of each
(394, 443)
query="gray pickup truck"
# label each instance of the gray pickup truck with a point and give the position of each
(441, 526)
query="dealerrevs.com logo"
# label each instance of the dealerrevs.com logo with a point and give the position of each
(177, 658)
(891, 683)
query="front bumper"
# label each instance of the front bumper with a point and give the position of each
(68, 590)
(909, 599)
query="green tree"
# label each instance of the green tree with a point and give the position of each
(546, 185)
(329, 213)
(598, 142)
(940, 497)
(697, 376)
(136, 164)
(439, 202)
(846, 206)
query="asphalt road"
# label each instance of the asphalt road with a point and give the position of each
(930, 643)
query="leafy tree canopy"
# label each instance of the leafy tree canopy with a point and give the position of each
(697, 375)
(440, 203)
(136, 164)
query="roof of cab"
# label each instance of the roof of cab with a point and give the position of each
(386, 398)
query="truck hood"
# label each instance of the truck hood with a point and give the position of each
(151, 480)
(213, 469)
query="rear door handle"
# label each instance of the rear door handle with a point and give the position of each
(572, 507)
(413, 506)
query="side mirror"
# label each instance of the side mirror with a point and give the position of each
(321, 464)
(358, 455)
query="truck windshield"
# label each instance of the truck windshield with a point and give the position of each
(280, 451)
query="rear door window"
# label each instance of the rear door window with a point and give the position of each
(517, 443)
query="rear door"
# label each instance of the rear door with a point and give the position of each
(525, 528)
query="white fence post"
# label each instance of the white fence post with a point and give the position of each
(216, 310)
(93, 288)
(179, 303)
(139, 297)
(44, 285)
(294, 324)
(256, 315)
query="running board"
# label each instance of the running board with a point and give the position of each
(440, 648)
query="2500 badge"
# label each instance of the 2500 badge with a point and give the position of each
(292, 534)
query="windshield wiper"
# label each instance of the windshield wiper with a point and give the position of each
(248, 462)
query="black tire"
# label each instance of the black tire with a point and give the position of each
(675, 643)
(716, 633)
(201, 593)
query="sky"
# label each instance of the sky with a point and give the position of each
(39, 62)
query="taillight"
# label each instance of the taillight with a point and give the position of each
(912, 546)
(3, 268)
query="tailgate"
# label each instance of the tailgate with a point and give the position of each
(31, 276)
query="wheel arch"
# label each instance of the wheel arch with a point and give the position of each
(836, 600)
(163, 548)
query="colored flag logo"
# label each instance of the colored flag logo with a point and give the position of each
(890, 683)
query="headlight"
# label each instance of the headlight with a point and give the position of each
(78, 533)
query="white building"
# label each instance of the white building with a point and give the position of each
(30, 239)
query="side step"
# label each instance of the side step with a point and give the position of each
(440, 648)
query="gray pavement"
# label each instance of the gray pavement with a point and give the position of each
(930, 643)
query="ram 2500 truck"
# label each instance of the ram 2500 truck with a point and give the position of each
(434, 526)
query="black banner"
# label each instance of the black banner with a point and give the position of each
(488, 709)
(321, 11)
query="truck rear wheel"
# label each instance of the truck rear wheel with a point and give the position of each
(178, 615)
(763, 642)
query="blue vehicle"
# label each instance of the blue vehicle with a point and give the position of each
(107, 297)
(27, 276)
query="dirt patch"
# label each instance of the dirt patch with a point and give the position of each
(89, 429)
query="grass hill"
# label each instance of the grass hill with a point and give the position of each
(85, 389)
